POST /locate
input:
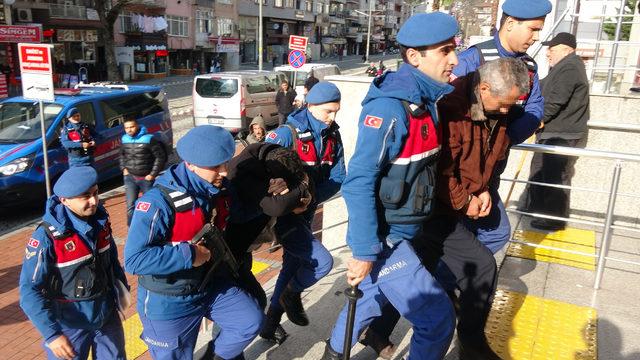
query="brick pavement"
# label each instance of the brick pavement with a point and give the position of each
(18, 338)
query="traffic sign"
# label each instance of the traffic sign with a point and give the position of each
(298, 42)
(297, 58)
(36, 71)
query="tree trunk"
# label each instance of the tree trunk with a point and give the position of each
(113, 73)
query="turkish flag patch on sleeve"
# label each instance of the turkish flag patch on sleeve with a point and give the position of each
(272, 135)
(373, 121)
(33, 243)
(143, 206)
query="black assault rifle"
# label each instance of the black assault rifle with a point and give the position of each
(211, 237)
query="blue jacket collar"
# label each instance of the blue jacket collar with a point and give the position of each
(141, 132)
(63, 219)
(179, 178)
(303, 120)
(501, 50)
(408, 84)
(430, 89)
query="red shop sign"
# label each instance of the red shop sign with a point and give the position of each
(162, 53)
(20, 33)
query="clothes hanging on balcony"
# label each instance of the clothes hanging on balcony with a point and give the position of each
(159, 23)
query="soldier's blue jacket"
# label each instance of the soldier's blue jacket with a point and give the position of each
(383, 131)
(520, 128)
(149, 252)
(40, 264)
(329, 175)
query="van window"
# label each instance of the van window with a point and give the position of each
(87, 115)
(20, 121)
(261, 84)
(216, 87)
(137, 105)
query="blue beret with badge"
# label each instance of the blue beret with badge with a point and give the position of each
(427, 29)
(72, 112)
(527, 9)
(323, 92)
(75, 182)
(206, 145)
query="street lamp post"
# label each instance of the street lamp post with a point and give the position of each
(369, 30)
(260, 35)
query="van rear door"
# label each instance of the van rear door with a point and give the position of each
(217, 100)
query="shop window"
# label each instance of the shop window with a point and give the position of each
(87, 115)
(319, 8)
(289, 3)
(126, 24)
(178, 25)
(139, 106)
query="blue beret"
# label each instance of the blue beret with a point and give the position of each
(527, 9)
(427, 29)
(75, 181)
(72, 112)
(323, 92)
(206, 145)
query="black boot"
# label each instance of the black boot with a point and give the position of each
(292, 304)
(383, 347)
(477, 350)
(271, 329)
(330, 354)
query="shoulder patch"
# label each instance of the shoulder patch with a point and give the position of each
(33, 243)
(29, 254)
(143, 206)
(373, 121)
(272, 135)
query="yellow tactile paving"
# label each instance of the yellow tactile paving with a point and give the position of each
(522, 327)
(569, 239)
(134, 346)
(257, 267)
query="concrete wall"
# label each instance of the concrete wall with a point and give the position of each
(589, 173)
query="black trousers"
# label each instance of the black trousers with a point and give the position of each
(553, 169)
(446, 242)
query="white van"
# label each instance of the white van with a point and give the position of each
(319, 72)
(232, 99)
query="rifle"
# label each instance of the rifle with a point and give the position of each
(211, 237)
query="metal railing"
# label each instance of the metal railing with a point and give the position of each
(67, 11)
(608, 224)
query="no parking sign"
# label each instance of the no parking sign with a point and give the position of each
(297, 58)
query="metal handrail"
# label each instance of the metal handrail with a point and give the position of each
(608, 225)
(578, 152)
(613, 126)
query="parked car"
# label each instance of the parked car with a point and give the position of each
(320, 71)
(22, 175)
(232, 99)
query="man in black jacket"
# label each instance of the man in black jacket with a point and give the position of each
(566, 112)
(267, 181)
(141, 160)
(284, 101)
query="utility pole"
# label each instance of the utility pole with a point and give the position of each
(260, 35)
(369, 29)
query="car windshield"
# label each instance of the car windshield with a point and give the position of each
(20, 121)
(300, 78)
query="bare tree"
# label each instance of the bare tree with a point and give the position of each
(109, 12)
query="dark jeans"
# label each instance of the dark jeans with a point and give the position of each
(133, 186)
(446, 238)
(553, 169)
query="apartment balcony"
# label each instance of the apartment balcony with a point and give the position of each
(339, 1)
(205, 3)
(336, 19)
(157, 4)
(62, 11)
